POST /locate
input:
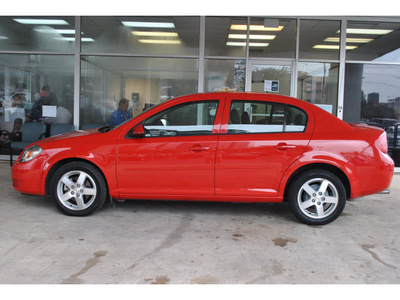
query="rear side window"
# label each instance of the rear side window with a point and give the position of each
(265, 117)
(296, 119)
(192, 118)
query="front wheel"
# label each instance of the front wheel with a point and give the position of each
(78, 189)
(317, 197)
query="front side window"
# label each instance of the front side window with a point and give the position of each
(193, 118)
(265, 117)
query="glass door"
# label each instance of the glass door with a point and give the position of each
(270, 77)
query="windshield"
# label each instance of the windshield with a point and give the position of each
(109, 128)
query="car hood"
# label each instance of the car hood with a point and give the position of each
(72, 134)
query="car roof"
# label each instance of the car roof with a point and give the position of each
(249, 96)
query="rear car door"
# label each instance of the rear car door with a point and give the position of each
(259, 140)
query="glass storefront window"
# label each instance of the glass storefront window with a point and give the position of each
(372, 96)
(317, 83)
(22, 78)
(224, 36)
(150, 59)
(33, 33)
(161, 35)
(225, 75)
(274, 78)
(319, 39)
(373, 41)
(145, 82)
(272, 38)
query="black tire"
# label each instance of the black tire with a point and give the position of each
(317, 197)
(78, 189)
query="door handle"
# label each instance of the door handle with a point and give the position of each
(284, 146)
(198, 148)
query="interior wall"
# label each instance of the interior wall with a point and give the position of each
(148, 90)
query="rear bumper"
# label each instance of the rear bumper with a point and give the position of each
(373, 178)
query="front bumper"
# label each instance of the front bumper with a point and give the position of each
(29, 177)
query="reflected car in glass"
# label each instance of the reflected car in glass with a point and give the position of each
(233, 147)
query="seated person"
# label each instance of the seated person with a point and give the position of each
(46, 98)
(18, 100)
(63, 116)
(121, 114)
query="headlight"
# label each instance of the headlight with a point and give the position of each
(30, 153)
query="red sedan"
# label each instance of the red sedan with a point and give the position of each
(234, 147)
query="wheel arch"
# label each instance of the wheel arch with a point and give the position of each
(60, 163)
(333, 169)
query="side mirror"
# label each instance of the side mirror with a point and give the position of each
(138, 131)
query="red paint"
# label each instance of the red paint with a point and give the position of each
(218, 166)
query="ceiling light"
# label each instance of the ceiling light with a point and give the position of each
(65, 31)
(237, 36)
(333, 47)
(258, 44)
(2, 37)
(367, 31)
(255, 27)
(240, 44)
(52, 30)
(175, 42)
(155, 33)
(72, 39)
(149, 24)
(42, 21)
(252, 36)
(243, 44)
(348, 40)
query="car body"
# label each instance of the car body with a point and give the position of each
(234, 147)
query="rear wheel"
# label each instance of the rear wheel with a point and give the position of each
(78, 189)
(317, 197)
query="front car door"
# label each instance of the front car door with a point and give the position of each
(177, 154)
(259, 140)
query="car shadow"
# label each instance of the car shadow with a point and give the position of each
(272, 210)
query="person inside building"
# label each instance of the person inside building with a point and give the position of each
(46, 97)
(18, 100)
(121, 114)
(63, 116)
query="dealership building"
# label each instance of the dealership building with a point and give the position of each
(349, 66)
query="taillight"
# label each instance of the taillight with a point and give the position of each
(381, 143)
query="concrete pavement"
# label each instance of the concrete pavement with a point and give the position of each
(141, 242)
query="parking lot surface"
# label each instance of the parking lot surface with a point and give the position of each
(155, 242)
